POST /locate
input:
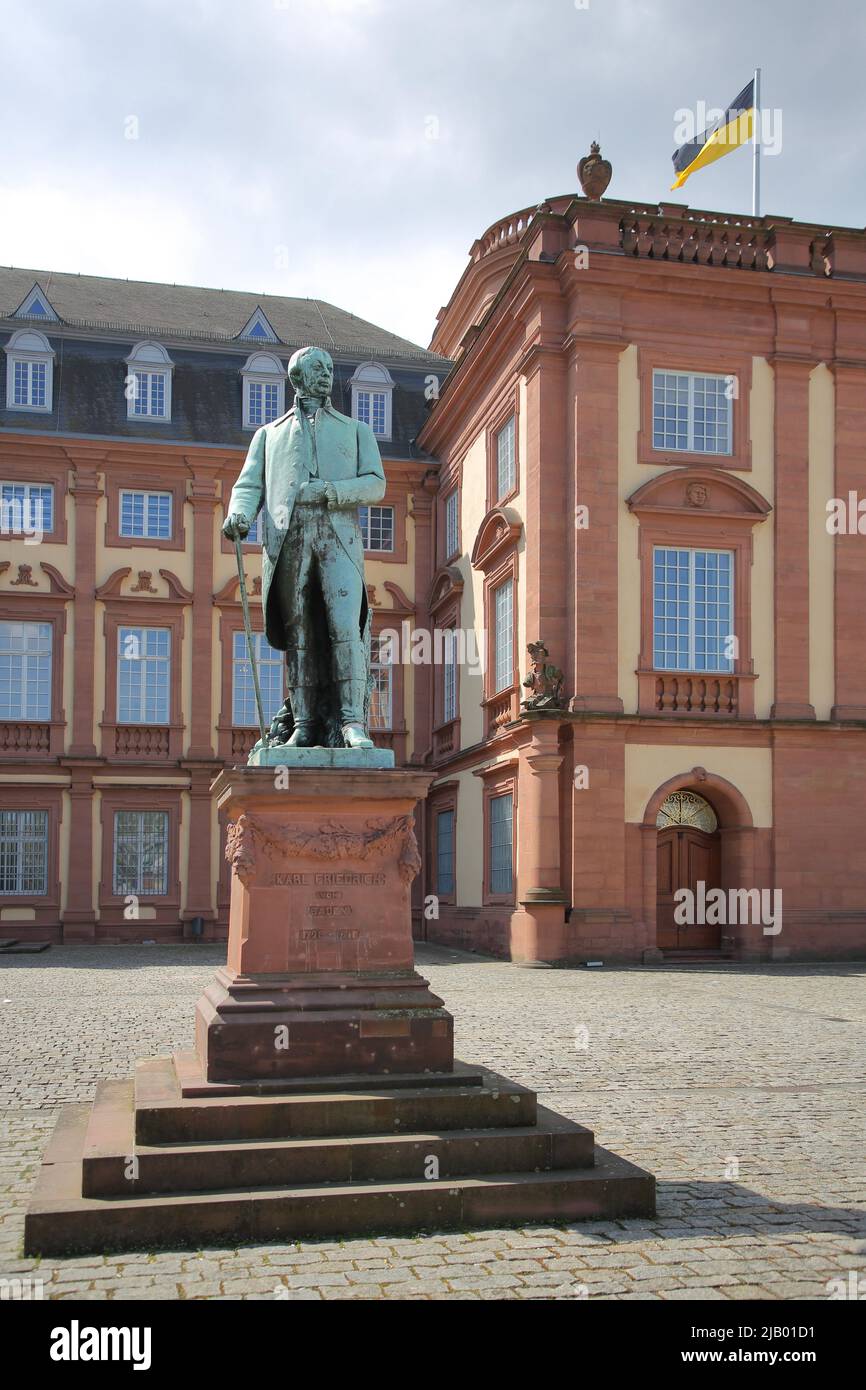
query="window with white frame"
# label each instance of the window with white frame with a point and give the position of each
(693, 606)
(26, 507)
(264, 388)
(271, 667)
(445, 851)
(506, 459)
(23, 853)
(371, 409)
(145, 515)
(377, 527)
(148, 383)
(500, 845)
(29, 371)
(452, 527)
(141, 853)
(449, 677)
(372, 390)
(25, 670)
(692, 413)
(382, 676)
(143, 675)
(503, 636)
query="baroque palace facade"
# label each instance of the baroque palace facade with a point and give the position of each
(125, 413)
(650, 410)
(639, 417)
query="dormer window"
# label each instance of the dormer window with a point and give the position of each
(36, 306)
(148, 383)
(259, 329)
(372, 388)
(264, 378)
(29, 372)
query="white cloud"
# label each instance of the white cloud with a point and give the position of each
(305, 126)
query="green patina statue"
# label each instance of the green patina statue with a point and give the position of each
(307, 473)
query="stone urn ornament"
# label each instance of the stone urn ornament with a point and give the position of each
(594, 173)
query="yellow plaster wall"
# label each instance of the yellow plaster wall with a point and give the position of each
(648, 767)
(822, 615)
(473, 497)
(469, 840)
(183, 850)
(762, 478)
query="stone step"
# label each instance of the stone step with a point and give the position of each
(60, 1220)
(191, 1081)
(164, 1116)
(114, 1165)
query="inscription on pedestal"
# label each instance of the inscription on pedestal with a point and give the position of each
(296, 880)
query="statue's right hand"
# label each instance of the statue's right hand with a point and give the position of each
(236, 526)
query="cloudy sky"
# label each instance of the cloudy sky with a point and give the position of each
(352, 150)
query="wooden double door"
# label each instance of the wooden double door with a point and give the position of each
(685, 857)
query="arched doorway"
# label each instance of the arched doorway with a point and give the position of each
(688, 852)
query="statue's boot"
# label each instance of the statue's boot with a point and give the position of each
(350, 670)
(302, 698)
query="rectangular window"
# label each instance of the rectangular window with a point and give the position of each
(371, 409)
(23, 853)
(141, 853)
(500, 831)
(263, 402)
(30, 384)
(452, 536)
(381, 672)
(693, 606)
(503, 636)
(449, 677)
(377, 527)
(692, 413)
(149, 399)
(143, 675)
(26, 507)
(506, 463)
(445, 852)
(146, 514)
(25, 670)
(271, 667)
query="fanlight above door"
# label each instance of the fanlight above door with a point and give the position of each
(687, 808)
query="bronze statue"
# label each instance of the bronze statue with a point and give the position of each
(308, 472)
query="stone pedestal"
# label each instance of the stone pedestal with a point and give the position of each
(323, 1099)
(320, 979)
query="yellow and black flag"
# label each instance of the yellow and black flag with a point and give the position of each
(734, 129)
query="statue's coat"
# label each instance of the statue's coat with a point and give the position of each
(277, 466)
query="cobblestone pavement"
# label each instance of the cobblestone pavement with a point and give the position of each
(741, 1088)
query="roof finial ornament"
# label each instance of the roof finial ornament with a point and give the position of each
(594, 173)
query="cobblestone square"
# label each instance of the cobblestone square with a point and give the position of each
(740, 1087)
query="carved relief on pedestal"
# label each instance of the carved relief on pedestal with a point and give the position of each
(250, 836)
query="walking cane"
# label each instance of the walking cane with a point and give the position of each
(245, 604)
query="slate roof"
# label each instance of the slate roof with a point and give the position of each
(144, 309)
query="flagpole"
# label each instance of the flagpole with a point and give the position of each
(756, 147)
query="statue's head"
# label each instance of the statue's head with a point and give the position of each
(311, 372)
